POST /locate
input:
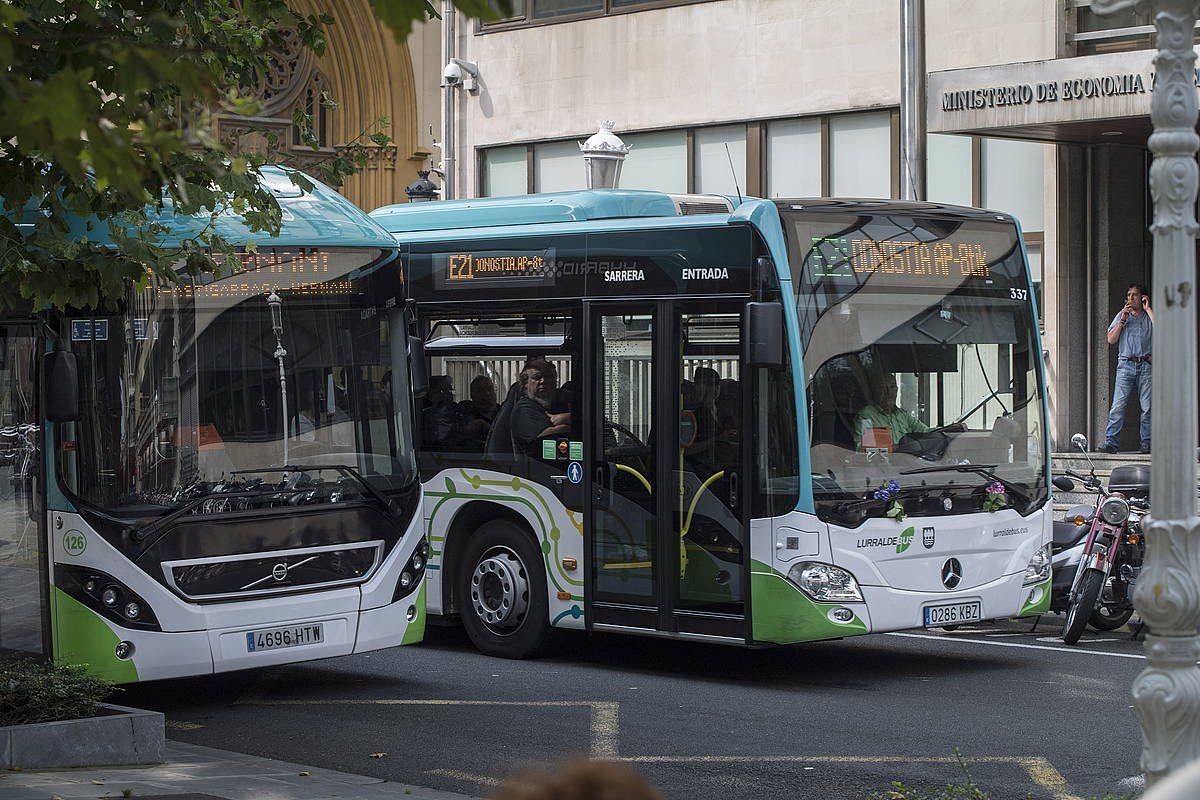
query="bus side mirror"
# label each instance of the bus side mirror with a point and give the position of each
(418, 367)
(764, 334)
(62, 386)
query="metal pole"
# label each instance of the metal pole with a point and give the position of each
(279, 354)
(1167, 693)
(912, 99)
(448, 100)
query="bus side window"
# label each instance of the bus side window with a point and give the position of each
(776, 446)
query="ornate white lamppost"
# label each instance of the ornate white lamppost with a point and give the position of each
(603, 155)
(275, 304)
(1167, 693)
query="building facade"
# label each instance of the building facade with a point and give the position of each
(377, 84)
(1036, 107)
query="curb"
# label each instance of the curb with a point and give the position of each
(119, 735)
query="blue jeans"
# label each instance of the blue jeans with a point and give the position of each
(1131, 376)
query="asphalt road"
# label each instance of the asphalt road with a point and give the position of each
(1029, 716)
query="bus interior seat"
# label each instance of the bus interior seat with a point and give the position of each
(838, 394)
(499, 439)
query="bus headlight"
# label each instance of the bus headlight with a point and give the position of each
(1114, 510)
(825, 582)
(1038, 568)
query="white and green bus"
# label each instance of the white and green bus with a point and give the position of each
(743, 421)
(219, 474)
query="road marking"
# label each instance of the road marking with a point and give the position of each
(463, 776)
(1039, 769)
(180, 725)
(604, 723)
(1015, 644)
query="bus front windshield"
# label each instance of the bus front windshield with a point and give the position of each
(288, 371)
(921, 364)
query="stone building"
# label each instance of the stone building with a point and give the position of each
(370, 76)
(1036, 107)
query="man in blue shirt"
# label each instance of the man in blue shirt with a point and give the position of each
(1132, 332)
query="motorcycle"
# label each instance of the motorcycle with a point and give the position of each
(1098, 550)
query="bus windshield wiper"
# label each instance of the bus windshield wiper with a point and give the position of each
(987, 471)
(345, 469)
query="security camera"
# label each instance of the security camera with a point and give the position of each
(461, 74)
(452, 75)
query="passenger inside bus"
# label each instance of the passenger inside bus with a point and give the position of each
(532, 419)
(478, 413)
(441, 422)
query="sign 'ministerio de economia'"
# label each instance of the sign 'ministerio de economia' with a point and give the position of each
(1063, 90)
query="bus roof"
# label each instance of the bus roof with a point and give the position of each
(557, 207)
(861, 204)
(420, 221)
(320, 216)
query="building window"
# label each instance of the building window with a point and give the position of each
(656, 161)
(948, 170)
(505, 171)
(542, 12)
(1014, 180)
(794, 158)
(558, 167)
(860, 155)
(716, 148)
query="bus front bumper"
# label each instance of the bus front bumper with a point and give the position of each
(1008, 596)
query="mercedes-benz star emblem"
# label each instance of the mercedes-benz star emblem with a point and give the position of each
(951, 573)
(280, 571)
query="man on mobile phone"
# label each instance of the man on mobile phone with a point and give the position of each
(1132, 332)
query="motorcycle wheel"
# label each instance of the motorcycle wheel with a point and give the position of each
(1109, 614)
(1081, 609)
(1105, 619)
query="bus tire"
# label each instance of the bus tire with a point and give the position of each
(502, 590)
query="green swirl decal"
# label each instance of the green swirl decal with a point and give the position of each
(549, 534)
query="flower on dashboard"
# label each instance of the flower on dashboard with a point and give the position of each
(997, 497)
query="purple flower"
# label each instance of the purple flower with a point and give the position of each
(995, 487)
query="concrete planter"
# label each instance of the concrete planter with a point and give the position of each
(118, 735)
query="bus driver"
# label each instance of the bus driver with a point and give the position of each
(883, 412)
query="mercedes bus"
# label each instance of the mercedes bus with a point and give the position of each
(220, 473)
(742, 421)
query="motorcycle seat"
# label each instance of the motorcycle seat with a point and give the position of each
(1066, 534)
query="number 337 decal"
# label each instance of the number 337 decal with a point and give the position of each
(1018, 294)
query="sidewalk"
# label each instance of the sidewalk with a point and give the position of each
(192, 772)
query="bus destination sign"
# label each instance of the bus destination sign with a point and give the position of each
(899, 261)
(494, 268)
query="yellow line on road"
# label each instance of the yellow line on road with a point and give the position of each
(604, 723)
(1039, 769)
(463, 776)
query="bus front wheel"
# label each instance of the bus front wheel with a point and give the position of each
(502, 591)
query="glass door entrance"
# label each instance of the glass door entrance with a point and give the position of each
(22, 554)
(667, 522)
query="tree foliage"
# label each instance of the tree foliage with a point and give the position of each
(106, 113)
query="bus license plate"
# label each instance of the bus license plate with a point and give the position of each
(291, 636)
(953, 614)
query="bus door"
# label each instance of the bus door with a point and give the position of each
(663, 464)
(23, 575)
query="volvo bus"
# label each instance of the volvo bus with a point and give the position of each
(752, 422)
(220, 473)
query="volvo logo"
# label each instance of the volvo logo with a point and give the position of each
(951, 573)
(280, 571)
